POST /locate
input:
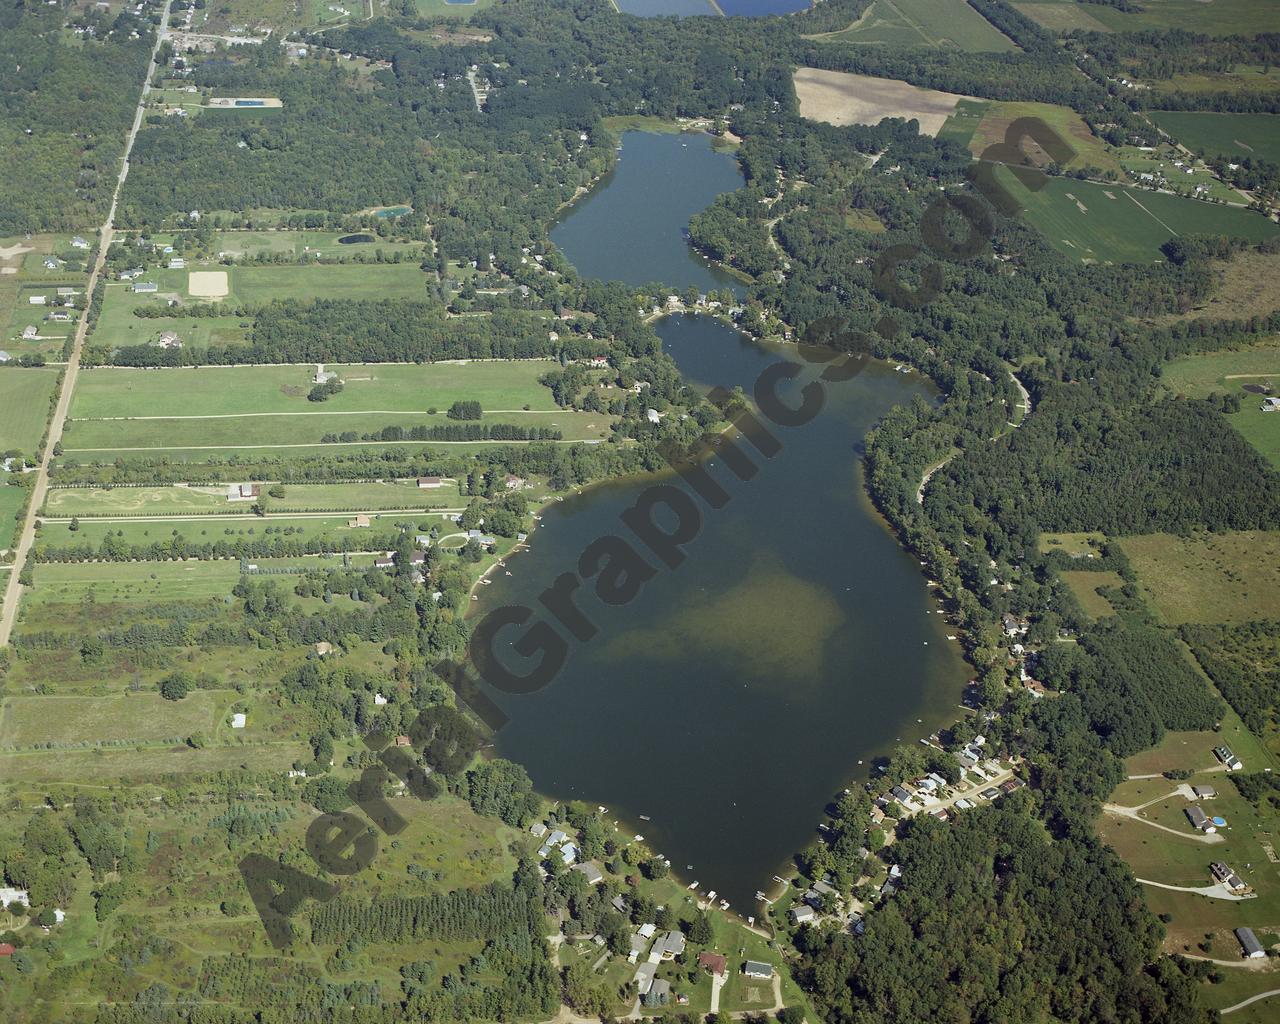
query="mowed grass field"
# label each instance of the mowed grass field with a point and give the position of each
(24, 406)
(137, 583)
(1225, 135)
(26, 721)
(1062, 16)
(308, 243)
(11, 499)
(1209, 577)
(937, 24)
(155, 501)
(229, 408)
(1112, 224)
(1085, 585)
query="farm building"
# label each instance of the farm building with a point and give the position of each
(324, 376)
(143, 287)
(37, 300)
(359, 522)
(238, 720)
(427, 483)
(243, 492)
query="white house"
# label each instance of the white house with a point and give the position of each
(238, 720)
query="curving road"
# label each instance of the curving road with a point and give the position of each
(26, 537)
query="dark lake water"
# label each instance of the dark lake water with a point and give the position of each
(739, 692)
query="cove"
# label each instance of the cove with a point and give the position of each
(736, 694)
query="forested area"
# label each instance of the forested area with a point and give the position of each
(64, 110)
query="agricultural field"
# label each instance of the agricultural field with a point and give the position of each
(1113, 224)
(24, 406)
(1224, 135)
(1065, 122)
(1208, 577)
(1241, 78)
(244, 407)
(937, 24)
(841, 98)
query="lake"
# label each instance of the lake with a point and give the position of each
(660, 182)
(736, 694)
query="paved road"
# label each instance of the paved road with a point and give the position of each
(13, 590)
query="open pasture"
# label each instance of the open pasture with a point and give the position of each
(334, 529)
(146, 765)
(1215, 18)
(840, 98)
(1209, 577)
(1062, 16)
(936, 24)
(239, 244)
(1230, 136)
(1109, 223)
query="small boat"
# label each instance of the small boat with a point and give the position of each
(645, 817)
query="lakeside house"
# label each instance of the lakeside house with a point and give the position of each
(803, 914)
(589, 871)
(514, 483)
(1250, 947)
(756, 969)
(538, 829)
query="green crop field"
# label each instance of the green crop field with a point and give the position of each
(963, 122)
(26, 721)
(1224, 135)
(1069, 126)
(938, 24)
(1106, 223)
(24, 406)
(1062, 16)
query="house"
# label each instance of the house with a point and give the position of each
(386, 562)
(243, 492)
(538, 829)
(1270, 404)
(360, 522)
(556, 838)
(79, 243)
(238, 720)
(141, 287)
(598, 362)
(877, 815)
(133, 272)
(713, 963)
(169, 339)
(427, 483)
(1013, 626)
(322, 648)
(1199, 820)
(568, 854)
(37, 300)
(659, 993)
(1225, 755)
(7, 949)
(58, 316)
(50, 263)
(1250, 947)
(672, 944)
(590, 872)
(990, 793)
(30, 332)
(900, 794)
(756, 969)
(403, 741)
(646, 931)
(619, 904)
(5, 357)
(1227, 877)
(638, 945)
(514, 483)
(652, 416)
(324, 377)
(10, 895)
(1204, 792)
(803, 914)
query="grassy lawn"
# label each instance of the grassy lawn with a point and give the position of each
(144, 765)
(1209, 577)
(936, 24)
(207, 530)
(1200, 375)
(11, 500)
(1085, 585)
(304, 243)
(1193, 751)
(26, 721)
(442, 8)
(1226, 135)
(1112, 224)
(132, 582)
(24, 406)
(328, 281)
